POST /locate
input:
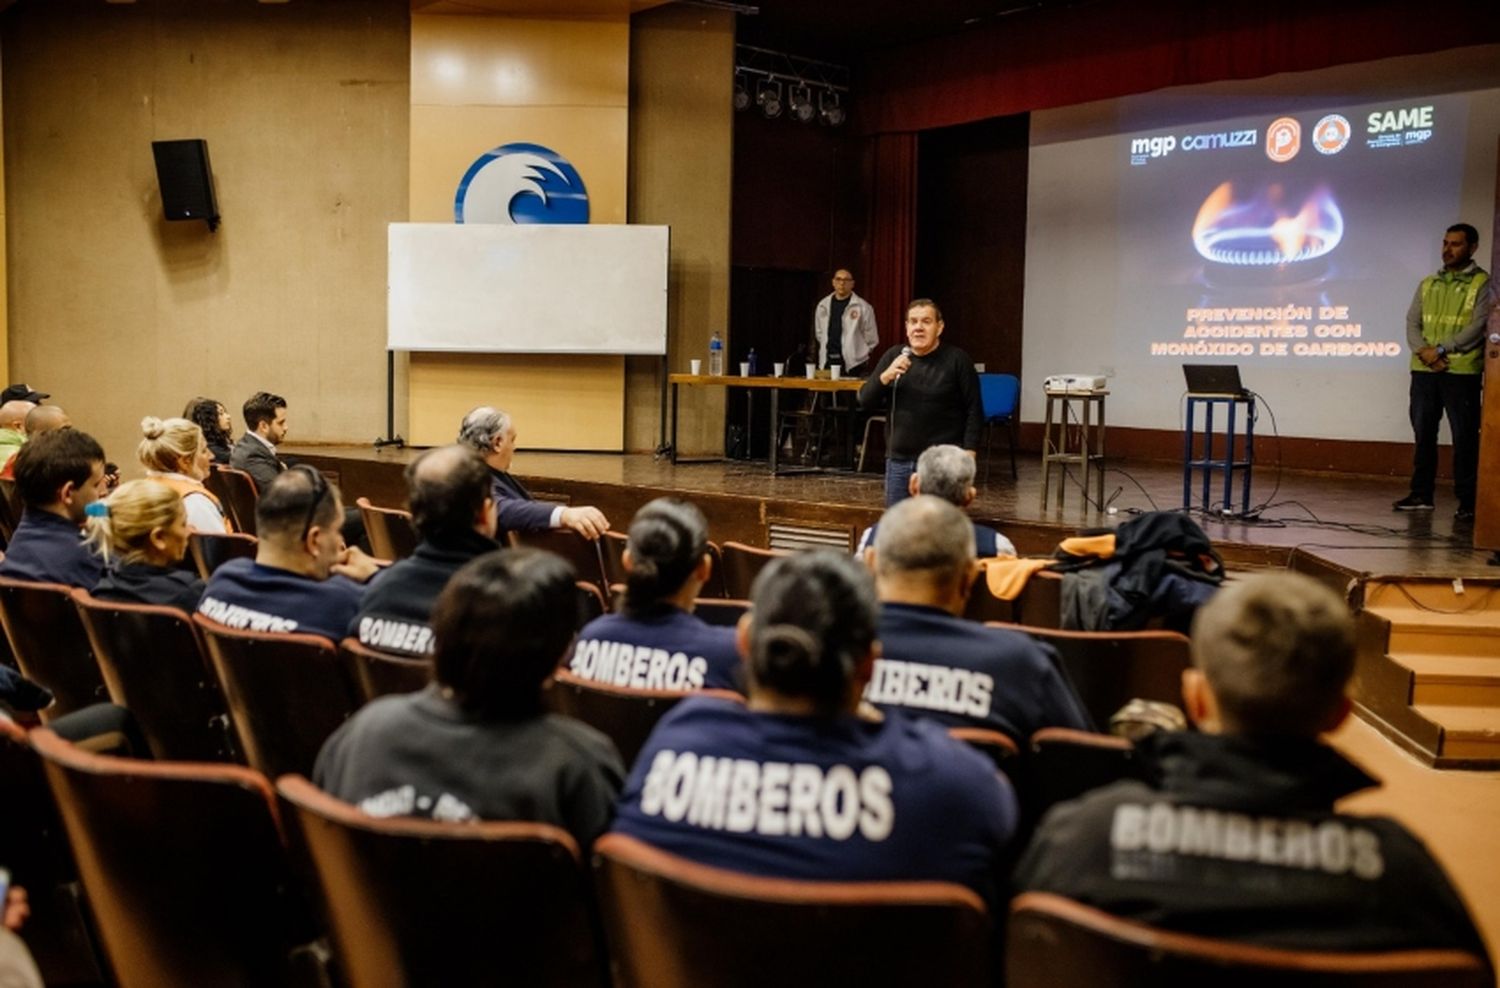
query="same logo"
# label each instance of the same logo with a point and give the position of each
(521, 183)
(1284, 138)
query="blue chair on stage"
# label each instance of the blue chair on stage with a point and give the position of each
(1001, 396)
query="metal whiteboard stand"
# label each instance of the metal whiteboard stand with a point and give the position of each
(390, 438)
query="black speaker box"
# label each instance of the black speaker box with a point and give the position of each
(187, 185)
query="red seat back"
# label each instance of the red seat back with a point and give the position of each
(625, 714)
(391, 532)
(377, 673)
(236, 491)
(50, 645)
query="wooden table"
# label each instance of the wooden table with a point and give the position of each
(775, 385)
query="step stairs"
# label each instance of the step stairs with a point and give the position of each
(1428, 672)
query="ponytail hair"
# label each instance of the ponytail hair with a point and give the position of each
(668, 538)
(812, 620)
(135, 510)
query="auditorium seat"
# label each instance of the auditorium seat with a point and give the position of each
(1066, 763)
(612, 547)
(286, 693)
(10, 512)
(210, 550)
(715, 587)
(236, 491)
(1110, 668)
(375, 673)
(726, 613)
(184, 869)
(625, 714)
(742, 563)
(36, 852)
(985, 606)
(390, 530)
(417, 902)
(583, 553)
(1040, 604)
(153, 662)
(1052, 941)
(673, 923)
(49, 643)
(591, 602)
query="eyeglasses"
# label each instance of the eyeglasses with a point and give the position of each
(320, 491)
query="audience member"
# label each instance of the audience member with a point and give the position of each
(477, 743)
(58, 475)
(23, 392)
(449, 491)
(792, 784)
(213, 418)
(947, 472)
(657, 643)
(42, 418)
(12, 427)
(932, 661)
(489, 432)
(142, 537)
(265, 428)
(302, 579)
(176, 453)
(17, 968)
(1231, 831)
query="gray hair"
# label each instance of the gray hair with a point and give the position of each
(925, 534)
(946, 472)
(481, 427)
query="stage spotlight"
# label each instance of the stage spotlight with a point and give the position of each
(829, 109)
(741, 92)
(769, 98)
(801, 103)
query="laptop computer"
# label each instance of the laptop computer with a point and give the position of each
(1214, 380)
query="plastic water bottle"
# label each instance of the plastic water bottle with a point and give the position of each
(754, 362)
(716, 355)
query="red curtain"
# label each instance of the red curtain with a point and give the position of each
(893, 233)
(1070, 55)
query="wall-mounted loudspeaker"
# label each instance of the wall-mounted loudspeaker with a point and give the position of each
(187, 185)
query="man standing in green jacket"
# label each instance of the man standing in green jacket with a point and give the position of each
(1445, 330)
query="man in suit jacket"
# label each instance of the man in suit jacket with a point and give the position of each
(265, 428)
(489, 432)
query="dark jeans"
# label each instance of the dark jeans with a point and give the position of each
(897, 477)
(1457, 396)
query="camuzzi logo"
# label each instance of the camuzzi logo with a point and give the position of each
(521, 183)
(1143, 149)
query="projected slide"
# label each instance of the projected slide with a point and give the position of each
(1285, 240)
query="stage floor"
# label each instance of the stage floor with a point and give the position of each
(1343, 520)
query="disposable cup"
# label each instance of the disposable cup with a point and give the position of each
(780, 369)
(834, 371)
(811, 371)
(697, 367)
(744, 368)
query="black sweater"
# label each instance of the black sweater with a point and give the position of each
(935, 402)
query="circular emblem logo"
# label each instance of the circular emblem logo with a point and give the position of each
(1331, 135)
(521, 183)
(1283, 139)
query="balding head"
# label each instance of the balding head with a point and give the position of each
(13, 414)
(449, 489)
(924, 553)
(46, 418)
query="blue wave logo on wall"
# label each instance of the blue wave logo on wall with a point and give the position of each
(521, 183)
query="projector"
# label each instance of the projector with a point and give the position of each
(1074, 382)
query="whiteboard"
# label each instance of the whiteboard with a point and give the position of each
(538, 288)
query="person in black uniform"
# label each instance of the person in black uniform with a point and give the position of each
(1233, 834)
(449, 492)
(932, 392)
(935, 664)
(144, 535)
(657, 643)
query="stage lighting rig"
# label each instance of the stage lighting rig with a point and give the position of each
(810, 89)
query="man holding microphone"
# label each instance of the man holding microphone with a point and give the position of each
(933, 395)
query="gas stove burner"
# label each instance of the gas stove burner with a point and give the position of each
(1261, 232)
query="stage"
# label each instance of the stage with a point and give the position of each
(1338, 524)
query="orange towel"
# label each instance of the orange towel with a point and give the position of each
(1006, 576)
(1102, 546)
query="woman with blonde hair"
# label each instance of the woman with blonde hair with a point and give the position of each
(141, 530)
(175, 452)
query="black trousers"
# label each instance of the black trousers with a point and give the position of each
(1432, 397)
